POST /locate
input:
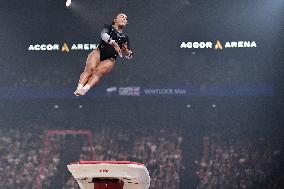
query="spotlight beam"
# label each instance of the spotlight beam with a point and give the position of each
(68, 3)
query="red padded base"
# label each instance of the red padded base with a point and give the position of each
(108, 184)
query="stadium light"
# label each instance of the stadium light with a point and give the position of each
(68, 3)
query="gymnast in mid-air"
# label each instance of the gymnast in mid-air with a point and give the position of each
(101, 60)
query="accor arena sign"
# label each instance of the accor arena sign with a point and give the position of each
(63, 48)
(217, 45)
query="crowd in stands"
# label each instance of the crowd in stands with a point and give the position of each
(237, 160)
(19, 157)
(22, 149)
(230, 158)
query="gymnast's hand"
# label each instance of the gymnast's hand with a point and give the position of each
(127, 51)
(125, 48)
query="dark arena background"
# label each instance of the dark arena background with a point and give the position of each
(200, 104)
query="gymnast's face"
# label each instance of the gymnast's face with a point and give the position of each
(121, 20)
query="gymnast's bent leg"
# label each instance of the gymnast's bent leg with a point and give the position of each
(103, 68)
(91, 63)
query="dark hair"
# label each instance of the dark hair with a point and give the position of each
(114, 18)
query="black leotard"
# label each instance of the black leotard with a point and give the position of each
(107, 51)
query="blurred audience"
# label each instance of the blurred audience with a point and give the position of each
(21, 152)
(232, 159)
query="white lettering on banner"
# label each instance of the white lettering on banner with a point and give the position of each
(55, 47)
(228, 44)
(158, 91)
(180, 91)
(111, 89)
(129, 91)
(240, 44)
(74, 47)
(164, 91)
(83, 47)
(80, 46)
(195, 45)
(37, 47)
(43, 47)
(93, 46)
